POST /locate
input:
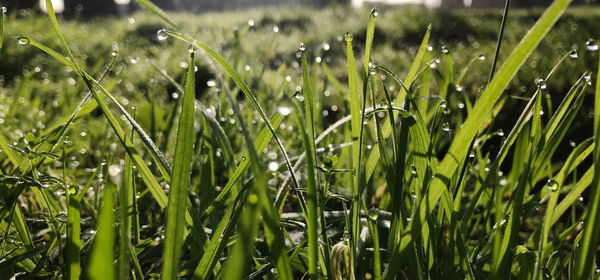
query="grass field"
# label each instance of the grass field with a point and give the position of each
(298, 143)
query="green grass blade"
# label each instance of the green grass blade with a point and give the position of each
(101, 261)
(308, 139)
(584, 261)
(369, 39)
(73, 235)
(126, 201)
(182, 165)
(355, 128)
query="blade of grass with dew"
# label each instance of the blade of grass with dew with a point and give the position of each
(485, 103)
(308, 140)
(584, 260)
(182, 165)
(554, 187)
(355, 128)
(101, 261)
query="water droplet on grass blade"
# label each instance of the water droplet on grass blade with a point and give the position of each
(446, 127)
(591, 45)
(573, 54)
(458, 88)
(247, 67)
(429, 48)
(552, 185)
(445, 50)
(275, 28)
(302, 47)
(481, 57)
(413, 170)
(23, 41)
(541, 83)
(133, 60)
(348, 37)
(244, 158)
(374, 12)
(326, 46)
(191, 48)
(161, 35)
(211, 83)
(4, 10)
(250, 22)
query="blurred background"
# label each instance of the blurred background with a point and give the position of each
(123, 7)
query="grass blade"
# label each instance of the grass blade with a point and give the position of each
(155, 10)
(182, 165)
(584, 262)
(101, 262)
(308, 139)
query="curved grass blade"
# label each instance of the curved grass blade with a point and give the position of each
(584, 261)
(182, 165)
(2, 12)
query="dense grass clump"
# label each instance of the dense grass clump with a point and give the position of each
(294, 146)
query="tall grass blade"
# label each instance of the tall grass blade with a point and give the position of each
(308, 139)
(584, 260)
(182, 165)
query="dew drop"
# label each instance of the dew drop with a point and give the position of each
(446, 127)
(472, 154)
(252, 199)
(429, 48)
(244, 158)
(445, 50)
(572, 143)
(374, 12)
(591, 45)
(302, 47)
(481, 57)
(191, 48)
(275, 28)
(211, 83)
(443, 105)
(326, 46)
(552, 185)
(580, 199)
(573, 54)
(133, 60)
(284, 110)
(373, 214)
(23, 41)
(247, 67)
(4, 10)
(161, 35)
(500, 132)
(318, 59)
(461, 105)
(458, 88)
(250, 22)
(348, 37)
(273, 166)
(541, 83)
(413, 170)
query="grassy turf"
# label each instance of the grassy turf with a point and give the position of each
(227, 151)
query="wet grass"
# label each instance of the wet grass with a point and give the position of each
(278, 150)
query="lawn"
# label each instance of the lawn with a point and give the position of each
(287, 143)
